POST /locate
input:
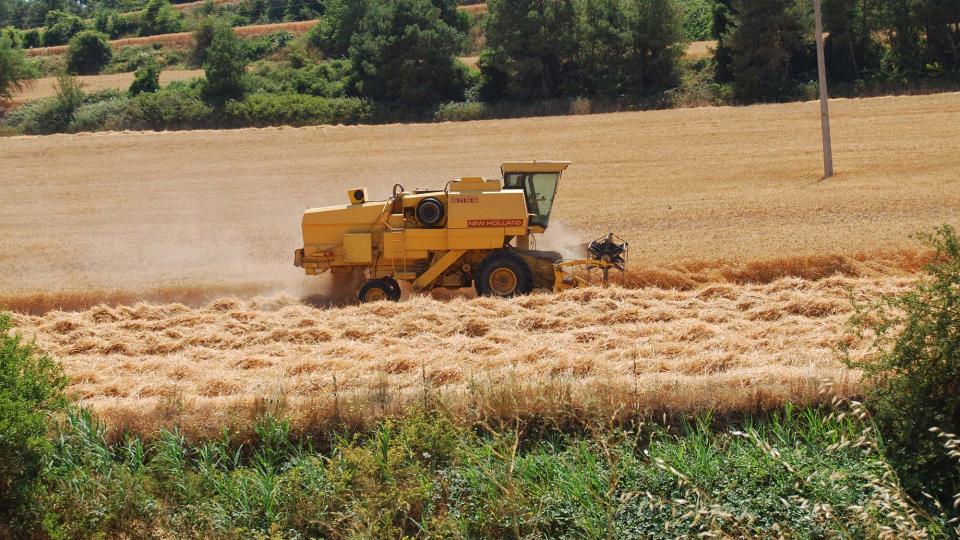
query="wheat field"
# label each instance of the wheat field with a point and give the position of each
(742, 260)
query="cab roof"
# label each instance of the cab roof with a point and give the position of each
(534, 167)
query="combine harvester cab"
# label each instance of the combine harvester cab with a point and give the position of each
(475, 232)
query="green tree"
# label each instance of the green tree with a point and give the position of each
(851, 49)
(88, 53)
(914, 371)
(15, 71)
(771, 48)
(202, 37)
(147, 77)
(404, 52)
(628, 47)
(60, 28)
(159, 17)
(31, 390)
(225, 66)
(340, 21)
(530, 44)
(697, 19)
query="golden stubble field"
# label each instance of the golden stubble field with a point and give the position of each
(719, 197)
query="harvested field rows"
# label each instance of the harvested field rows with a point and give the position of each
(724, 347)
(718, 203)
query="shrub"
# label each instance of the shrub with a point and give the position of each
(914, 371)
(88, 53)
(60, 28)
(146, 78)
(296, 110)
(31, 39)
(457, 111)
(170, 108)
(50, 115)
(31, 389)
(224, 68)
(259, 47)
(99, 115)
(15, 71)
(159, 17)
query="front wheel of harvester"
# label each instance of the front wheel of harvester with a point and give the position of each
(394, 288)
(504, 275)
(378, 289)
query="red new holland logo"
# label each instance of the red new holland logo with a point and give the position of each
(494, 223)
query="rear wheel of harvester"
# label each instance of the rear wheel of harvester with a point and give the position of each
(379, 289)
(505, 275)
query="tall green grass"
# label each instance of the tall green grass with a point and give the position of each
(795, 473)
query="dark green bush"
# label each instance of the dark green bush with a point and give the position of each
(32, 39)
(914, 371)
(88, 53)
(168, 109)
(31, 390)
(15, 70)
(296, 110)
(258, 47)
(146, 78)
(61, 27)
(159, 17)
(328, 78)
(99, 115)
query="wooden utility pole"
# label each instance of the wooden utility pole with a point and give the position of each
(824, 111)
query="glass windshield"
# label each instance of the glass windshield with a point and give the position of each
(539, 189)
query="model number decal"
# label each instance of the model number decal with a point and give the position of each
(494, 223)
(465, 199)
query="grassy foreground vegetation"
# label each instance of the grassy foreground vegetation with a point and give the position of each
(851, 471)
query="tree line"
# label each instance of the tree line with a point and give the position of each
(404, 55)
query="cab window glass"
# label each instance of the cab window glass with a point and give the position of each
(539, 190)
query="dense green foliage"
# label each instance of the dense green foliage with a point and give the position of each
(60, 27)
(544, 50)
(14, 69)
(88, 53)
(146, 78)
(404, 52)
(159, 17)
(771, 49)
(697, 19)
(224, 67)
(425, 477)
(915, 371)
(31, 389)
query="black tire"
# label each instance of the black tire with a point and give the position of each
(376, 290)
(496, 272)
(395, 288)
(430, 212)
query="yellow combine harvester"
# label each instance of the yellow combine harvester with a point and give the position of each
(476, 231)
